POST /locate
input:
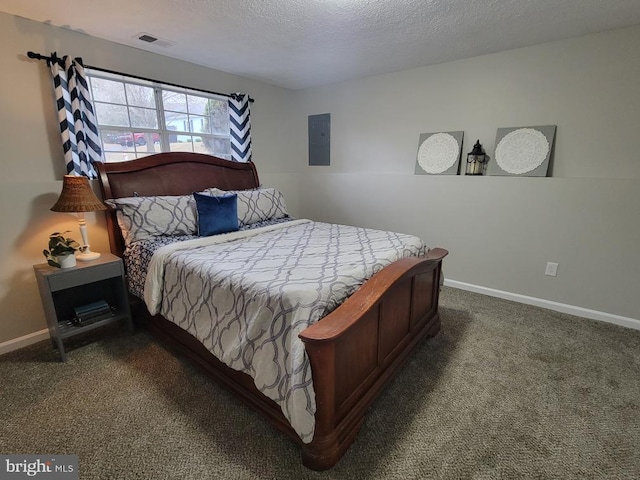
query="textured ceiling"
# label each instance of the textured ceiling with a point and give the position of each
(303, 43)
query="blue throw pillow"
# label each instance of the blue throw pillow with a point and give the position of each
(216, 214)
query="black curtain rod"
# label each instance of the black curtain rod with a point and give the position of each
(55, 59)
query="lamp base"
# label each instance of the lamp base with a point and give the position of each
(86, 256)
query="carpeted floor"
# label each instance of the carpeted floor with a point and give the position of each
(504, 391)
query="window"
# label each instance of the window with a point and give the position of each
(137, 118)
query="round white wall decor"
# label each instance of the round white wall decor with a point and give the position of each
(438, 153)
(522, 151)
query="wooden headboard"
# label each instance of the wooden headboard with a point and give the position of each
(173, 173)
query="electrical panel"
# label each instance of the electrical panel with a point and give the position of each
(320, 139)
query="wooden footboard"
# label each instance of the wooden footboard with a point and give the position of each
(355, 350)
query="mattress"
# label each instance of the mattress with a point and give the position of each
(247, 295)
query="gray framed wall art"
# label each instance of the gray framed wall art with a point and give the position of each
(523, 151)
(439, 153)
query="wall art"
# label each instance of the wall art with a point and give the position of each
(523, 151)
(439, 153)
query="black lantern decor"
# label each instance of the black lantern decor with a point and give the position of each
(476, 160)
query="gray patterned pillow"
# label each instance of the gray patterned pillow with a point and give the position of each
(256, 205)
(142, 218)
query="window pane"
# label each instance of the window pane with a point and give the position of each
(125, 139)
(120, 147)
(220, 147)
(174, 101)
(140, 96)
(183, 143)
(114, 115)
(197, 104)
(147, 142)
(173, 138)
(114, 156)
(143, 117)
(177, 121)
(198, 145)
(199, 124)
(109, 137)
(218, 112)
(223, 147)
(107, 91)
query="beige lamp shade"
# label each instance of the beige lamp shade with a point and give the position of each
(77, 196)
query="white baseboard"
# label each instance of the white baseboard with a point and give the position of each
(548, 304)
(24, 341)
(628, 322)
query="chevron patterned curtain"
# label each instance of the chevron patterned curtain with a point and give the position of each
(240, 127)
(80, 140)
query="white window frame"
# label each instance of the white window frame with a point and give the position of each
(113, 152)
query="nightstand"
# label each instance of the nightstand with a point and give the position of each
(66, 292)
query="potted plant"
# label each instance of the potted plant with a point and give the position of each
(61, 250)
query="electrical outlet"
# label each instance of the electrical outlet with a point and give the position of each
(552, 269)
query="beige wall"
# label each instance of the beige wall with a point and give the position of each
(32, 160)
(500, 231)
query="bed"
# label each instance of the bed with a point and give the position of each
(352, 352)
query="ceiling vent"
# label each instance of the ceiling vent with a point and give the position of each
(147, 38)
(152, 39)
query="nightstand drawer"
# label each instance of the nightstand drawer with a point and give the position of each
(72, 278)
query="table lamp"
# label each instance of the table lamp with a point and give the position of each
(77, 197)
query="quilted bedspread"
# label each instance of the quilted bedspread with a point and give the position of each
(247, 295)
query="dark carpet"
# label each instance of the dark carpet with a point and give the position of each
(504, 391)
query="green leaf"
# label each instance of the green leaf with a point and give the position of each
(53, 263)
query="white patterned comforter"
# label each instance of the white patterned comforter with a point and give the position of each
(247, 295)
